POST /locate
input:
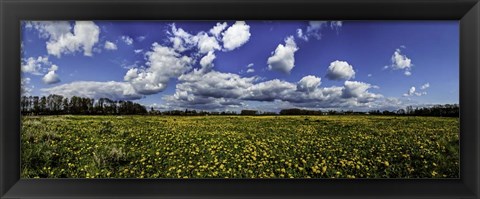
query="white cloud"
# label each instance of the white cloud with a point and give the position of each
(250, 65)
(412, 92)
(50, 29)
(53, 68)
(25, 87)
(301, 35)
(207, 61)
(131, 74)
(355, 89)
(336, 25)
(182, 40)
(218, 29)
(164, 63)
(369, 75)
(236, 35)
(420, 94)
(270, 90)
(128, 40)
(250, 70)
(197, 89)
(340, 70)
(308, 83)
(314, 29)
(207, 43)
(112, 90)
(210, 90)
(401, 62)
(51, 77)
(282, 58)
(137, 51)
(232, 38)
(214, 84)
(425, 86)
(63, 41)
(110, 45)
(34, 65)
(141, 38)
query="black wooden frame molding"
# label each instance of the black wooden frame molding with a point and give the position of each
(467, 12)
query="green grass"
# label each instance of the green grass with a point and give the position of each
(239, 147)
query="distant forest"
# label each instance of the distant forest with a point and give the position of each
(59, 105)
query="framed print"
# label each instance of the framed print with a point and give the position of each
(240, 99)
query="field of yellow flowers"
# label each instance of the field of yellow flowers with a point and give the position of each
(239, 147)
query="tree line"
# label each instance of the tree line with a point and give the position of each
(447, 110)
(58, 105)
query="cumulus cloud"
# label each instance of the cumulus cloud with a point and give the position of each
(163, 64)
(137, 51)
(214, 84)
(339, 70)
(283, 58)
(401, 62)
(250, 70)
(128, 40)
(112, 90)
(355, 89)
(314, 29)
(425, 86)
(131, 74)
(412, 90)
(270, 90)
(218, 37)
(336, 25)
(210, 88)
(110, 45)
(236, 35)
(33, 65)
(218, 29)
(301, 35)
(50, 29)
(308, 83)
(25, 87)
(51, 77)
(182, 40)
(207, 61)
(63, 41)
(207, 43)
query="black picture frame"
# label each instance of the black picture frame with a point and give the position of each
(467, 12)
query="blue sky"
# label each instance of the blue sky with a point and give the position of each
(234, 65)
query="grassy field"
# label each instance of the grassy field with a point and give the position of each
(239, 147)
